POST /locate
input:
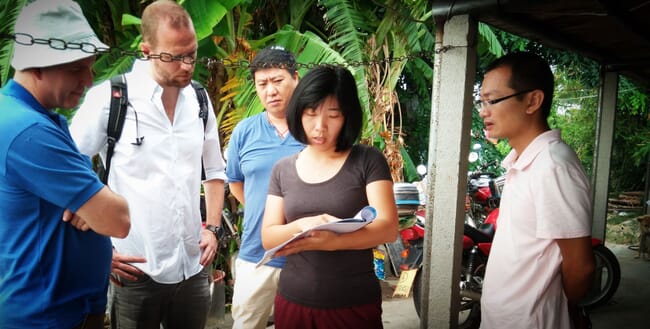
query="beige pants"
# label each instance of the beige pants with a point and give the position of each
(254, 294)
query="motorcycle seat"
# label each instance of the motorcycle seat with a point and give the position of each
(479, 235)
(487, 229)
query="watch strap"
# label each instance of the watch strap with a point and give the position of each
(216, 230)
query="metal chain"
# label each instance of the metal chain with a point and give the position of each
(28, 40)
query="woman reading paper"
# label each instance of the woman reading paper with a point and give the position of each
(328, 280)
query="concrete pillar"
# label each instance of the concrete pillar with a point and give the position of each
(451, 117)
(603, 150)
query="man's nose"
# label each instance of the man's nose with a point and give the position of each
(271, 89)
(87, 78)
(483, 112)
(187, 67)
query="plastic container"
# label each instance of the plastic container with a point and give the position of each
(407, 198)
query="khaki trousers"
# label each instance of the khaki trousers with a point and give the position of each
(254, 294)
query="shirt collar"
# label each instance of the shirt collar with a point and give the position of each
(16, 90)
(519, 162)
(141, 77)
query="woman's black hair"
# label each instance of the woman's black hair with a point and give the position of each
(318, 84)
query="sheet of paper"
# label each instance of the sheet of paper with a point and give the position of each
(364, 217)
(405, 283)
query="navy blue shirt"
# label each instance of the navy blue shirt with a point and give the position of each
(51, 274)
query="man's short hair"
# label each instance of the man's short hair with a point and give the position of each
(528, 72)
(273, 57)
(163, 12)
(318, 84)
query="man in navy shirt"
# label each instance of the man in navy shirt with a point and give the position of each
(55, 215)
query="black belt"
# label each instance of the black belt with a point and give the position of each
(92, 321)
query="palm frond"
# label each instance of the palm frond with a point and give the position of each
(349, 32)
(489, 47)
(298, 10)
(206, 14)
(421, 75)
(9, 11)
(347, 27)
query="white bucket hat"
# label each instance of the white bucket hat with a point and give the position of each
(52, 19)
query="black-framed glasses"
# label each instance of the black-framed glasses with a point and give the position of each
(483, 103)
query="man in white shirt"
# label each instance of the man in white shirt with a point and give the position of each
(541, 262)
(160, 270)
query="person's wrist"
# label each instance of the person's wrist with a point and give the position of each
(214, 229)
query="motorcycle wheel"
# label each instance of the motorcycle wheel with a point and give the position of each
(607, 277)
(469, 316)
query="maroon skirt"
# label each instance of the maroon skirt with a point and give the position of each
(288, 315)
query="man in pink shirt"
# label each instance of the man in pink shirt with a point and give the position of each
(541, 263)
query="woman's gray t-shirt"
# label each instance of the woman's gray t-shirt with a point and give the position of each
(328, 279)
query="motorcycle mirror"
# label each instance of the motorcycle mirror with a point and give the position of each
(421, 169)
(473, 156)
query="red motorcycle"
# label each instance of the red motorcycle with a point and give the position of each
(481, 222)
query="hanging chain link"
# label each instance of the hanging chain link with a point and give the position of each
(28, 40)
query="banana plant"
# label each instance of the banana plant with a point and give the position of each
(9, 11)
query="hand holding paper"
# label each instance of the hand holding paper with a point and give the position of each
(364, 217)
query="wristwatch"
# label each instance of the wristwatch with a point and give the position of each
(216, 230)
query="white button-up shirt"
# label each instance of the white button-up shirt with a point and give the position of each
(161, 178)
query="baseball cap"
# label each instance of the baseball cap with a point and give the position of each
(56, 20)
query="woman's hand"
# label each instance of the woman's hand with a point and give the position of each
(316, 240)
(307, 223)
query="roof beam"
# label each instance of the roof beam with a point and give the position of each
(624, 18)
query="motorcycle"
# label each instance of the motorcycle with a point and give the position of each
(483, 196)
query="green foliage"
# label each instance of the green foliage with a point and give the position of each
(206, 14)
(410, 173)
(489, 46)
(630, 138)
(415, 97)
(9, 11)
(574, 113)
(622, 228)
(346, 29)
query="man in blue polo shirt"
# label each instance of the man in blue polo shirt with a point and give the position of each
(55, 215)
(255, 145)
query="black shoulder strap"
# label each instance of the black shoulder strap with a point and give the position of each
(117, 114)
(202, 97)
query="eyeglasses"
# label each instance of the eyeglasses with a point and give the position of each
(481, 104)
(167, 57)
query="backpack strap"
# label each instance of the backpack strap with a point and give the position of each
(202, 97)
(117, 114)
